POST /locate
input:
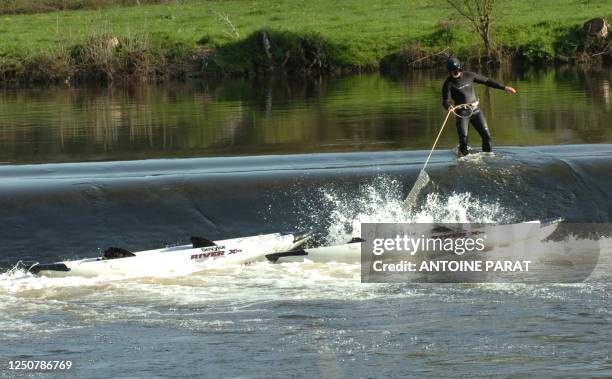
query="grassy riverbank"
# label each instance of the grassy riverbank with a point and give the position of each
(181, 38)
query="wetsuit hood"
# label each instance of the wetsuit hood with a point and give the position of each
(453, 64)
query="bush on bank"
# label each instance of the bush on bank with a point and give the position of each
(273, 51)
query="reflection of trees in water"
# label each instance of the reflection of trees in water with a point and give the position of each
(277, 115)
(598, 88)
(97, 121)
(605, 91)
(566, 104)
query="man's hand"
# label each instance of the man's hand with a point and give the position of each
(510, 90)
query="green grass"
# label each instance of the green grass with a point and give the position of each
(360, 33)
(40, 6)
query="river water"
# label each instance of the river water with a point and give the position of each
(89, 168)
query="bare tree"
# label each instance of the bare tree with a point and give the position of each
(480, 14)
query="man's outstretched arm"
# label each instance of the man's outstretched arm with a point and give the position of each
(493, 84)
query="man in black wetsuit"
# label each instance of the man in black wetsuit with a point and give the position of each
(458, 87)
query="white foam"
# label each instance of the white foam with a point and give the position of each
(383, 202)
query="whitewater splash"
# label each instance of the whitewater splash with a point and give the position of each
(382, 201)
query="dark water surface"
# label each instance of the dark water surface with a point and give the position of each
(296, 319)
(240, 117)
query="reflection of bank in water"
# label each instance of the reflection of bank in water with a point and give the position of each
(274, 115)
